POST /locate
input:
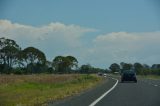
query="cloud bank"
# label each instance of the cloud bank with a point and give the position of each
(68, 34)
(61, 39)
(129, 47)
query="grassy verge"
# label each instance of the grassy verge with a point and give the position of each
(155, 77)
(31, 90)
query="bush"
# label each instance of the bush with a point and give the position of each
(18, 71)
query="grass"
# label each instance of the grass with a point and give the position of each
(35, 90)
(155, 77)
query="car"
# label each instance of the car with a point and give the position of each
(105, 75)
(128, 75)
(100, 74)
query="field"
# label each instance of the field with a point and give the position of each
(155, 77)
(35, 90)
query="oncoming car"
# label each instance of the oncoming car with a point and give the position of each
(128, 75)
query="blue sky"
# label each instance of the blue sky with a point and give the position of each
(108, 15)
(98, 32)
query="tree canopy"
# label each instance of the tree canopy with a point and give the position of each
(9, 50)
(114, 67)
(33, 55)
(64, 64)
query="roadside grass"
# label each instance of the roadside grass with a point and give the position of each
(35, 90)
(155, 77)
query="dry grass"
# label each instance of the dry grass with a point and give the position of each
(44, 78)
(34, 90)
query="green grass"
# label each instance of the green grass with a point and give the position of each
(35, 90)
(155, 77)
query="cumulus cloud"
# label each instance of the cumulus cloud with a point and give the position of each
(127, 47)
(54, 39)
(59, 32)
(56, 36)
(61, 39)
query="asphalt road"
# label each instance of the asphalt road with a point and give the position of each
(143, 93)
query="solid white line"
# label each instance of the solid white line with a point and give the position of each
(103, 95)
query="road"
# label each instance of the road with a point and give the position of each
(143, 93)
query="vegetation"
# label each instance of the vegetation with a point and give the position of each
(65, 64)
(39, 89)
(154, 77)
(33, 86)
(114, 67)
(140, 69)
(88, 69)
(31, 60)
(14, 60)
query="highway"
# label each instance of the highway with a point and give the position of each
(145, 92)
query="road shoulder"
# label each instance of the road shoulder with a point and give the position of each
(87, 97)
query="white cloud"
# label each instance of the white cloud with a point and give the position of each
(128, 38)
(68, 34)
(60, 39)
(128, 47)
(54, 38)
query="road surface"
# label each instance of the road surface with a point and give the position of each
(143, 93)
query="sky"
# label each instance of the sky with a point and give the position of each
(96, 32)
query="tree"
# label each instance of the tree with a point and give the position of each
(49, 67)
(86, 68)
(10, 55)
(9, 50)
(72, 62)
(125, 66)
(34, 58)
(146, 66)
(33, 55)
(64, 64)
(58, 63)
(114, 67)
(138, 68)
(155, 66)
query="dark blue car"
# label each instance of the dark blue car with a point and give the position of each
(128, 76)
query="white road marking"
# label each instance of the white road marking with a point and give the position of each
(103, 95)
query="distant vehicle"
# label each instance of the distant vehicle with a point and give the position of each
(100, 73)
(116, 72)
(128, 75)
(105, 75)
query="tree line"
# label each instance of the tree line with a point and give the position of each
(140, 69)
(30, 60)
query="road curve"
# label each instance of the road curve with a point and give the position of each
(143, 93)
(87, 97)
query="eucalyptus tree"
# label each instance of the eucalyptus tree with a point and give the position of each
(86, 68)
(64, 64)
(114, 67)
(33, 57)
(138, 67)
(9, 50)
(126, 66)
